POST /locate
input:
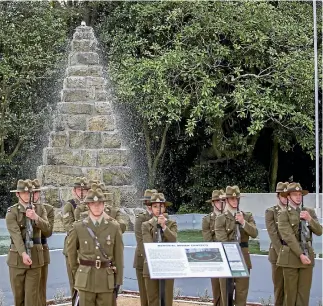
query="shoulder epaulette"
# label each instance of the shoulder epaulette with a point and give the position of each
(12, 206)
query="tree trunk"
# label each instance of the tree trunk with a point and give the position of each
(274, 165)
(153, 161)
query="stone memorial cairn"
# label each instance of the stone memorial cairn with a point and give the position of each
(85, 140)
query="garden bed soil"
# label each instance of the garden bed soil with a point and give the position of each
(131, 298)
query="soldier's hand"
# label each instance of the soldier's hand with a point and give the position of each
(31, 214)
(26, 259)
(305, 215)
(162, 221)
(239, 217)
(305, 260)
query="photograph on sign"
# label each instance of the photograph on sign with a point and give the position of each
(181, 260)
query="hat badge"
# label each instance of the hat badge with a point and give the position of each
(297, 188)
(95, 198)
(285, 189)
(234, 194)
(26, 188)
(82, 184)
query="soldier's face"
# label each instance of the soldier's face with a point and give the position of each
(296, 197)
(233, 202)
(282, 200)
(217, 204)
(157, 208)
(96, 208)
(36, 196)
(24, 196)
(78, 192)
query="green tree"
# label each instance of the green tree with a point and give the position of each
(33, 39)
(236, 68)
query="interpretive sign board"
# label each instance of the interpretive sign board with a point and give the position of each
(202, 259)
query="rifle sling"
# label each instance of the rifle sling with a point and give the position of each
(97, 243)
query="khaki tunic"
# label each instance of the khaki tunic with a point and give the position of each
(149, 229)
(68, 220)
(138, 262)
(79, 210)
(81, 246)
(225, 228)
(271, 217)
(208, 232)
(44, 269)
(297, 276)
(25, 280)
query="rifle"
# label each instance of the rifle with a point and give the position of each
(237, 235)
(29, 227)
(303, 232)
(159, 236)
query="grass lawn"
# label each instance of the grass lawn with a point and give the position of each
(196, 236)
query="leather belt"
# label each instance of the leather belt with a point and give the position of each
(35, 241)
(244, 244)
(43, 240)
(96, 263)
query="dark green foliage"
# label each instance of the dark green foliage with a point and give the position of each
(202, 179)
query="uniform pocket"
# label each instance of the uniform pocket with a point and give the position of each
(85, 246)
(110, 278)
(81, 276)
(283, 257)
(38, 255)
(12, 259)
(46, 255)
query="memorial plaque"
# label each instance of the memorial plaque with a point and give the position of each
(202, 259)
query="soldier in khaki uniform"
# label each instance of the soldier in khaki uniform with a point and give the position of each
(225, 228)
(138, 262)
(113, 212)
(79, 192)
(25, 270)
(297, 266)
(208, 232)
(271, 218)
(149, 230)
(95, 253)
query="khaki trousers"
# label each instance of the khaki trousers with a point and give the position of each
(25, 285)
(216, 290)
(278, 281)
(297, 286)
(152, 289)
(95, 299)
(241, 291)
(43, 284)
(142, 287)
(70, 276)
